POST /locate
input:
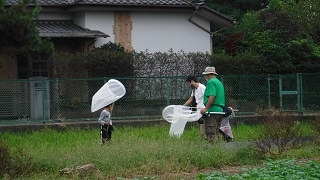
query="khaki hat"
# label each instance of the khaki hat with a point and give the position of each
(210, 70)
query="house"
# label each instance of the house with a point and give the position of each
(139, 25)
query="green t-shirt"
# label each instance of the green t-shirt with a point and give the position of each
(214, 88)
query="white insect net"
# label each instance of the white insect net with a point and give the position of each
(107, 94)
(178, 116)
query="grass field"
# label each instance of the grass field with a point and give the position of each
(139, 152)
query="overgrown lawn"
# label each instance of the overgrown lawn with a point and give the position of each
(136, 152)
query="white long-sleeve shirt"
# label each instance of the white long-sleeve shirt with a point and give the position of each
(104, 117)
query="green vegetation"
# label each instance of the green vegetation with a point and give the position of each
(18, 33)
(136, 152)
(281, 169)
(281, 38)
(109, 60)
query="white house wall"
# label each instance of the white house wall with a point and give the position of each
(102, 21)
(79, 19)
(155, 31)
(152, 31)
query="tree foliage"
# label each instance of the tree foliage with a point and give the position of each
(306, 13)
(18, 32)
(236, 8)
(282, 42)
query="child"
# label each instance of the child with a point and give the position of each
(106, 124)
(225, 128)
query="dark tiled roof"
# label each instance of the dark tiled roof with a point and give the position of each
(137, 2)
(65, 29)
(46, 2)
(114, 2)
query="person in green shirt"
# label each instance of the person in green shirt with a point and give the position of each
(214, 100)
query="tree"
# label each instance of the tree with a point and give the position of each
(18, 33)
(236, 8)
(283, 43)
(307, 14)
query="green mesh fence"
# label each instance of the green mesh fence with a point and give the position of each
(58, 100)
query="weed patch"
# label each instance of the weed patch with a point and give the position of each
(279, 133)
(13, 163)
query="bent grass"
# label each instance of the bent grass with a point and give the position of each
(134, 152)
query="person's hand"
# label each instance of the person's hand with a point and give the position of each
(204, 110)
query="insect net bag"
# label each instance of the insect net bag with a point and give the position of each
(178, 116)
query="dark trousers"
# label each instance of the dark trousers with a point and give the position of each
(106, 132)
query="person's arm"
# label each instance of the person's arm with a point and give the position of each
(100, 120)
(104, 118)
(188, 101)
(209, 103)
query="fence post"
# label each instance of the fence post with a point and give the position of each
(269, 92)
(168, 90)
(299, 94)
(57, 98)
(280, 93)
(43, 101)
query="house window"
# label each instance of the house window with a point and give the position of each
(32, 66)
(23, 67)
(39, 66)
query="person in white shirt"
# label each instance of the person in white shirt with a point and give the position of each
(197, 94)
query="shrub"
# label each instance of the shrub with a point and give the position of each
(110, 60)
(316, 126)
(13, 165)
(279, 133)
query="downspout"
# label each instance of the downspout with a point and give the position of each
(199, 26)
(94, 42)
(196, 24)
(90, 44)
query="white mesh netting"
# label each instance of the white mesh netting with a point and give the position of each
(107, 94)
(178, 116)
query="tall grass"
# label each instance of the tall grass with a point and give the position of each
(133, 151)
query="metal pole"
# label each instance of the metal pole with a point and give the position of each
(269, 92)
(43, 100)
(280, 93)
(299, 93)
(168, 91)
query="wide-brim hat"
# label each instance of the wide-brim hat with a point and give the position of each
(210, 70)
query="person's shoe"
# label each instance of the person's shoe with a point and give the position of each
(229, 139)
(103, 141)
